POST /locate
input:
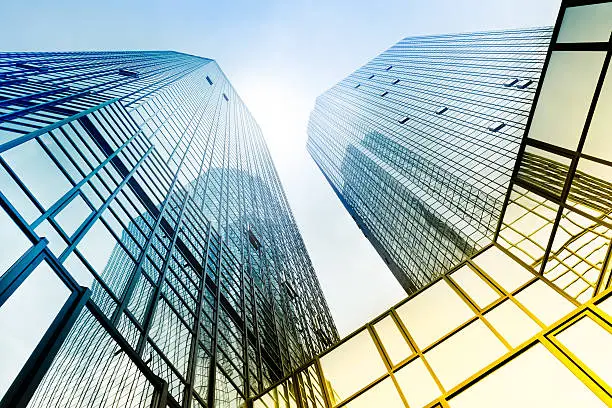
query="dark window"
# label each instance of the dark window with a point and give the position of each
(402, 121)
(225, 97)
(209, 80)
(524, 83)
(511, 82)
(253, 240)
(396, 82)
(389, 67)
(496, 126)
(27, 65)
(441, 110)
(357, 86)
(371, 76)
(384, 93)
(128, 73)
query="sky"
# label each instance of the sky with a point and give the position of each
(279, 56)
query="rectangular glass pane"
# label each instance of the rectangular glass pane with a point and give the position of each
(434, 313)
(351, 366)
(418, 386)
(590, 23)
(25, 317)
(476, 288)
(392, 339)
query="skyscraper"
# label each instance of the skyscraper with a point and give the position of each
(149, 256)
(527, 320)
(419, 143)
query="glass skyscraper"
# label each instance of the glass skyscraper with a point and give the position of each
(148, 253)
(527, 320)
(419, 143)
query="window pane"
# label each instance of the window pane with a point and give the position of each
(591, 23)
(72, 216)
(591, 343)
(512, 323)
(464, 353)
(12, 241)
(383, 394)
(598, 139)
(416, 383)
(433, 313)
(24, 319)
(351, 366)
(544, 302)
(474, 286)
(508, 273)
(533, 379)
(570, 76)
(393, 341)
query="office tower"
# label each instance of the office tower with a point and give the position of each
(419, 143)
(149, 256)
(527, 320)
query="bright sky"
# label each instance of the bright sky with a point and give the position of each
(279, 55)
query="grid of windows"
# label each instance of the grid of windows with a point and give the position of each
(420, 142)
(526, 321)
(140, 181)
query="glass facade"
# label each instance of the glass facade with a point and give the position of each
(419, 143)
(148, 253)
(527, 320)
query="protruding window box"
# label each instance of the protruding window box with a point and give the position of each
(441, 110)
(404, 120)
(225, 97)
(210, 82)
(510, 82)
(497, 126)
(34, 67)
(524, 83)
(384, 93)
(128, 73)
(395, 82)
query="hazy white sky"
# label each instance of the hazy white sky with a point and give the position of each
(279, 55)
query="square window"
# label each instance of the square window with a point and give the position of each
(416, 383)
(591, 343)
(544, 302)
(570, 76)
(351, 366)
(512, 323)
(476, 288)
(434, 313)
(464, 353)
(508, 273)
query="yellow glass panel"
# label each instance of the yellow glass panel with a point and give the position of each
(544, 302)
(351, 366)
(598, 138)
(464, 353)
(433, 313)
(590, 23)
(476, 288)
(527, 225)
(508, 273)
(533, 379)
(592, 344)
(570, 76)
(512, 323)
(383, 394)
(395, 345)
(578, 252)
(606, 305)
(418, 386)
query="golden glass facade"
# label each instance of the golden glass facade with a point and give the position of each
(527, 321)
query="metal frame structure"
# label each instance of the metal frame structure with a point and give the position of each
(141, 182)
(527, 320)
(419, 143)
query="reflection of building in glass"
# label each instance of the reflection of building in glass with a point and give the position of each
(419, 143)
(153, 187)
(527, 320)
